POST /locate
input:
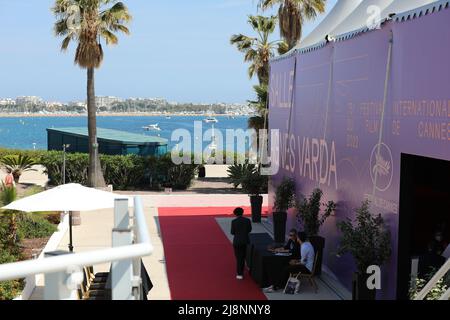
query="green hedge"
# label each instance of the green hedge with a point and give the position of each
(33, 226)
(9, 289)
(129, 172)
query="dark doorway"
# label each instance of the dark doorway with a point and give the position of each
(424, 210)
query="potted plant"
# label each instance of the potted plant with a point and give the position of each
(254, 184)
(237, 171)
(309, 215)
(284, 199)
(368, 241)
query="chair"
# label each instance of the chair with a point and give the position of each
(89, 290)
(97, 277)
(310, 276)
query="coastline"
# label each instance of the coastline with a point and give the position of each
(112, 114)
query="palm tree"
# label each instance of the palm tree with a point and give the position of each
(260, 105)
(87, 22)
(259, 50)
(292, 14)
(18, 165)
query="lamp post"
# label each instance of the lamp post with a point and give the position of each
(65, 146)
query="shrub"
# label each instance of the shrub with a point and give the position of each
(309, 212)
(4, 230)
(18, 164)
(35, 226)
(179, 177)
(285, 195)
(76, 167)
(124, 172)
(237, 172)
(367, 241)
(34, 154)
(162, 172)
(9, 289)
(435, 293)
(253, 183)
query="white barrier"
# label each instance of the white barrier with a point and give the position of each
(52, 245)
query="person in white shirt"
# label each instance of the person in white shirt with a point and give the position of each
(304, 265)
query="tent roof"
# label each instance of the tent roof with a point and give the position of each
(359, 17)
(349, 18)
(400, 6)
(337, 15)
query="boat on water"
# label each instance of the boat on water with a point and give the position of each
(152, 127)
(211, 120)
(168, 117)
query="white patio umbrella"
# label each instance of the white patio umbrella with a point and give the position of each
(68, 197)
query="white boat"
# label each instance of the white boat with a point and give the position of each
(152, 127)
(168, 117)
(211, 120)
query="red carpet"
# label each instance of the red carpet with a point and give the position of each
(199, 257)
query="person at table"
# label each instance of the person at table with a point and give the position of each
(240, 229)
(292, 246)
(303, 265)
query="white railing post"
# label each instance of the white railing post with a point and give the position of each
(137, 279)
(63, 271)
(122, 271)
(434, 280)
(57, 283)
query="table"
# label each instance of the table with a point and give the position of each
(264, 266)
(262, 239)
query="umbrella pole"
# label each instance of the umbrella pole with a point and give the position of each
(70, 232)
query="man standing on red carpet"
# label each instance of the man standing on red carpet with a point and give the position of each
(240, 229)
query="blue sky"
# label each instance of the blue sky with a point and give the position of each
(178, 50)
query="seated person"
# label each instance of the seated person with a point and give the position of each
(292, 246)
(304, 265)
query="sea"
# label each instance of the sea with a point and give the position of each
(30, 132)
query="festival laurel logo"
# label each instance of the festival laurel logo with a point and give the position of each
(381, 170)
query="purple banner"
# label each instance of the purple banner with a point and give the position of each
(358, 105)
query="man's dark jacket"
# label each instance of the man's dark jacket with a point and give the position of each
(240, 228)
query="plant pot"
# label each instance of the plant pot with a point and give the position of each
(279, 226)
(201, 172)
(359, 288)
(318, 243)
(256, 204)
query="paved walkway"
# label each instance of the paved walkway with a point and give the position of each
(95, 233)
(307, 293)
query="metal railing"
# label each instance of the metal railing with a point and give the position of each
(433, 281)
(131, 242)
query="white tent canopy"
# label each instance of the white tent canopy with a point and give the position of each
(359, 17)
(352, 15)
(400, 6)
(339, 13)
(68, 197)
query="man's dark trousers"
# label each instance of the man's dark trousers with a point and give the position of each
(240, 228)
(240, 252)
